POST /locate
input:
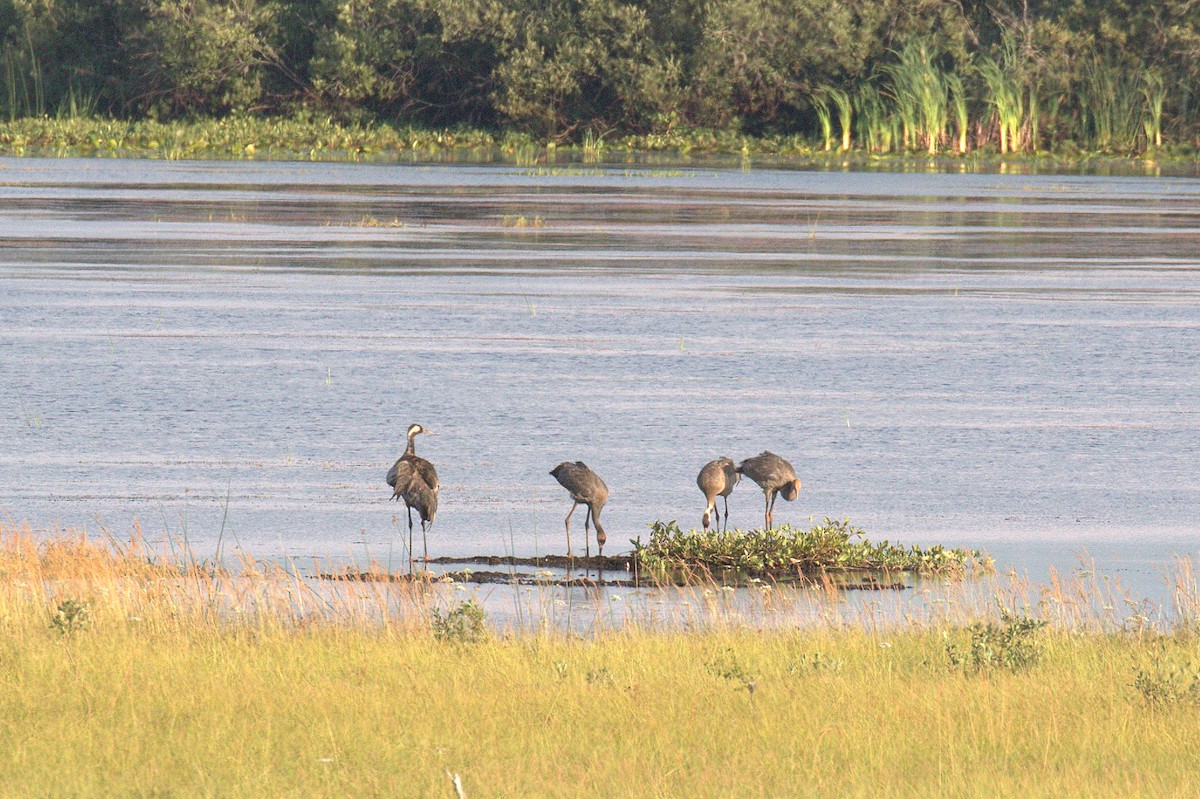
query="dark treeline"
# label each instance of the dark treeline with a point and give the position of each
(880, 75)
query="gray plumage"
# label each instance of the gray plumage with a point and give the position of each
(585, 488)
(775, 476)
(414, 480)
(717, 479)
(418, 496)
(409, 464)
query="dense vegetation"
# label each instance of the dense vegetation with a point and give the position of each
(874, 75)
(784, 552)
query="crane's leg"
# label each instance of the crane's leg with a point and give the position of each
(771, 510)
(587, 545)
(573, 507)
(708, 510)
(767, 507)
(425, 541)
(726, 498)
(410, 538)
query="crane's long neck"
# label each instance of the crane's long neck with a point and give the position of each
(601, 537)
(411, 450)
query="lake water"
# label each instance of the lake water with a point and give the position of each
(233, 352)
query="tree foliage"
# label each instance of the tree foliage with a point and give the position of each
(928, 74)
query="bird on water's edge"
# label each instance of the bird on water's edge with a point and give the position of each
(775, 476)
(717, 479)
(414, 480)
(585, 488)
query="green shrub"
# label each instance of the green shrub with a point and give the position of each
(829, 547)
(465, 624)
(1164, 681)
(1012, 645)
(70, 617)
(727, 666)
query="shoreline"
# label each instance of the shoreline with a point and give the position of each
(268, 139)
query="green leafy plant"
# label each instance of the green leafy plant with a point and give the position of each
(600, 676)
(70, 617)
(784, 552)
(813, 663)
(728, 666)
(464, 624)
(1164, 682)
(1012, 645)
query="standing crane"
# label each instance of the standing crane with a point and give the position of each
(585, 488)
(414, 480)
(775, 476)
(717, 479)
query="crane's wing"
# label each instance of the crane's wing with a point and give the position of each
(767, 469)
(429, 474)
(400, 474)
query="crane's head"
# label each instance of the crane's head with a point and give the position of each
(791, 489)
(416, 428)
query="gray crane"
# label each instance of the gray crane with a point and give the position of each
(775, 476)
(414, 480)
(717, 479)
(585, 488)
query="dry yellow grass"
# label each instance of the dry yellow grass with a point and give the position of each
(187, 681)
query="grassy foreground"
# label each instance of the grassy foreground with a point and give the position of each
(121, 675)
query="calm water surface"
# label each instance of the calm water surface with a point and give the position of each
(234, 351)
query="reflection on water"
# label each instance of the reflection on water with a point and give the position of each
(234, 351)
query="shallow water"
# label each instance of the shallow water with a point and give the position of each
(231, 352)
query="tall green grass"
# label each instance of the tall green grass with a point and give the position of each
(1154, 90)
(1112, 103)
(1006, 96)
(24, 87)
(918, 88)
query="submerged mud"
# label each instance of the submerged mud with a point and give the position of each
(607, 572)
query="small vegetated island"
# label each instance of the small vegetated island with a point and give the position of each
(833, 549)
(831, 554)
(846, 78)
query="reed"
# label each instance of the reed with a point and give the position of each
(1112, 101)
(820, 105)
(917, 87)
(958, 106)
(828, 101)
(876, 125)
(1154, 91)
(1006, 96)
(845, 112)
(24, 85)
(593, 147)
